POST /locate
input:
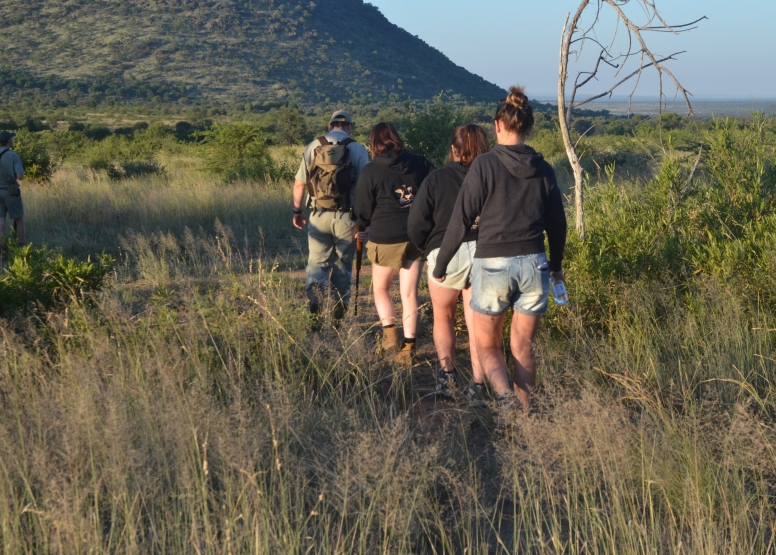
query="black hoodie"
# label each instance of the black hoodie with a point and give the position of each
(513, 190)
(433, 206)
(385, 191)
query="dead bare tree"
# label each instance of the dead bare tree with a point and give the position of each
(575, 37)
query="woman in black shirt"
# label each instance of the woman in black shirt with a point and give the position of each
(384, 194)
(429, 216)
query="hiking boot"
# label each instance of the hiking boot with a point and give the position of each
(338, 313)
(406, 353)
(314, 294)
(475, 394)
(389, 343)
(445, 386)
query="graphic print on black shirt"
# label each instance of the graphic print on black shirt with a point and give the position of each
(405, 195)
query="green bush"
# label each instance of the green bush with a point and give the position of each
(236, 151)
(39, 277)
(131, 170)
(125, 156)
(290, 127)
(721, 225)
(430, 130)
(35, 156)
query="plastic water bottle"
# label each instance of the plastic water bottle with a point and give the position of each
(559, 293)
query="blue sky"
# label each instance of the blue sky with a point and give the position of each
(730, 55)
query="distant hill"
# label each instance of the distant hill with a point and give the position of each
(262, 52)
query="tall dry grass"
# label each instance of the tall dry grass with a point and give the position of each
(187, 408)
(84, 211)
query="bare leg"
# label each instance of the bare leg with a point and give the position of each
(381, 286)
(409, 278)
(489, 340)
(443, 299)
(522, 335)
(478, 374)
(18, 225)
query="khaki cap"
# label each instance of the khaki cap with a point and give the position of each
(341, 116)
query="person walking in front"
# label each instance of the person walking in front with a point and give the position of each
(328, 172)
(11, 172)
(429, 217)
(384, 195)
(513, 191)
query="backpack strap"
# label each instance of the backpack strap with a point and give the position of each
(2, 167)
(324, 141)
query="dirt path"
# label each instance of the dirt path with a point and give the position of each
(429, 412)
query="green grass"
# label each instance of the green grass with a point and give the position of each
(187, 407)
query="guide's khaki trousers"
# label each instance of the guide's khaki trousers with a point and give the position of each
(332, 245)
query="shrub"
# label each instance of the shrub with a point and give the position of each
(131, 170)
(290, 127)
(64, 144)
(723, 225)
(236, 151)
(430, 131)
(35, 156)
(97, 132)
(40, 277)
(126, 156)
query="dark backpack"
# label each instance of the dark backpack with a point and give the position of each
(331, 174)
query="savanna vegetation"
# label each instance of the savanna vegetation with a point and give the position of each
(161, 390)
(251, 54)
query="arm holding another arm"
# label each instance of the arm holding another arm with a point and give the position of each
(468, 205)
(421, 218)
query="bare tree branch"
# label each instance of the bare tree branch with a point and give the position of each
(611, 90)
(589, 129)
(660, 68)
(687, 183)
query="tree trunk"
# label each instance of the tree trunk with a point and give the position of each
(565, 121)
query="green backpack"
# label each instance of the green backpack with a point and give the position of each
(331, 175)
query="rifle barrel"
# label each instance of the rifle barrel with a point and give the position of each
(359, 255)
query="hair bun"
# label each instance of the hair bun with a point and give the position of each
(517, 97)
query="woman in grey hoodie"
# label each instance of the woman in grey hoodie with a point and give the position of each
(513, 191)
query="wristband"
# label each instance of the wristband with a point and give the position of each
(297, 212)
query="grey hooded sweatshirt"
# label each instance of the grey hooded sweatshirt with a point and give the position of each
(513, 191)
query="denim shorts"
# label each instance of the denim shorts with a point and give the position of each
(522, 282)
(458, 270)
